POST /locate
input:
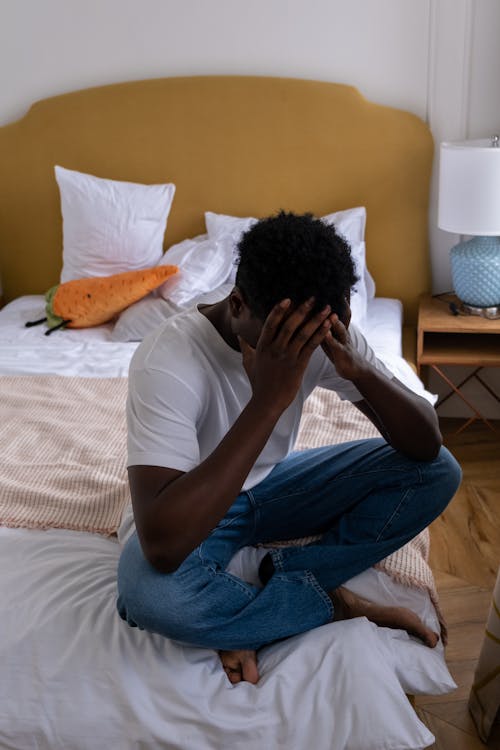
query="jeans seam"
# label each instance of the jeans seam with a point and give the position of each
(404, 501)
(255, 509)
(277, 558)
(300, 490)
(322, 593)
(251, 510)
(234, 580)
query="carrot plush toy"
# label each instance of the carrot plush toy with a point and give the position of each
(83, 303)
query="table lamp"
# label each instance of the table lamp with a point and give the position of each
(469, 204)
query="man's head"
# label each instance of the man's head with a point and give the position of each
(297, 257)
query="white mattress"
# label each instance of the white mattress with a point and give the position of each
(75, 676)
(383, 326)
(89, 352)
(78, 352)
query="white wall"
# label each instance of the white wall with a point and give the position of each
(437, 58)
(52, 46)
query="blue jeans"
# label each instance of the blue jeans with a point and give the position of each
(366, 499)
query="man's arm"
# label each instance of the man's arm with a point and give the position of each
(176, 511)
(407, 421)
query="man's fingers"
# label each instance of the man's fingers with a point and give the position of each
(336, 338)
(291, 325)
(312, 332)
(273, 321)
(338, 330)
(296, 331)
(329, 343)
(317, 339)
(247, 355)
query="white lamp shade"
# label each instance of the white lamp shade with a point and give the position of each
(469, 188)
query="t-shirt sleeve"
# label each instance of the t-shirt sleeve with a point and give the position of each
(345, 389)
(162, 413)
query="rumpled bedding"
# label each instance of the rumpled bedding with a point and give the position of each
(75, 676)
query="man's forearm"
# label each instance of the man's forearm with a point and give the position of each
(407, 421)
(187, 509)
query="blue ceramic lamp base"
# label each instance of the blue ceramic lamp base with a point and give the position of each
(475, 270)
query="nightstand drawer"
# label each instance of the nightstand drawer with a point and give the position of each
(460, 349)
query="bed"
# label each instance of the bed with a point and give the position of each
(221, 151)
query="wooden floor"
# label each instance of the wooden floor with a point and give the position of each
(465, 556)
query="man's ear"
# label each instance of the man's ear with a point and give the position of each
(237, 302)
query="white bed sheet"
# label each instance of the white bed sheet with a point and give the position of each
(75, 677)
(383, 326)
(77, 352)
(89, 352)
(383, 329)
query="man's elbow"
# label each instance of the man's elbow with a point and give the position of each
(430, 454)
(435, 442)
(165, 563)
(162, 564)
(428, 449)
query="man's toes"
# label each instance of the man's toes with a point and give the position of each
(431, 639)
(428, 636)
(250, 671)
(233, 674)
(240, 665)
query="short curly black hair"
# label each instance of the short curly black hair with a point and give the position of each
(294, 256)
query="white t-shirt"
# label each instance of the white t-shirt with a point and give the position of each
(187, 387)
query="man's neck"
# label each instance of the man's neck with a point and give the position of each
(219, 315)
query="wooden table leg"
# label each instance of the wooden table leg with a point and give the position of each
(456, 389)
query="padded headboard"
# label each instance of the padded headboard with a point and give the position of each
(231, 144)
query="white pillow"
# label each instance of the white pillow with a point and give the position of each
(350, 223)
(144, 316)
(110, 226)
(204, 264)
(353, 696)
(228, 231)
(420, 670)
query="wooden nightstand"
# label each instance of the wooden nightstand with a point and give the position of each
(447, 339)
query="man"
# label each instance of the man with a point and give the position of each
(215, 400)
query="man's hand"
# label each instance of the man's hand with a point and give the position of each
(288, 338)
(339, 350)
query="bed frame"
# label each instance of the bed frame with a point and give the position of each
(235, 145)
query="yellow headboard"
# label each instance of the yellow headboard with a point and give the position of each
(231, 144)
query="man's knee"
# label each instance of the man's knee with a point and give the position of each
(145, 596)
(443, 476)
(153, 603)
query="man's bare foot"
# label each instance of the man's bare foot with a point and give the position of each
(240, 665)
(348, 605)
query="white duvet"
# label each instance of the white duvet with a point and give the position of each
(74, 676)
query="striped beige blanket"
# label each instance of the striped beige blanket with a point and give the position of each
(63, 448)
